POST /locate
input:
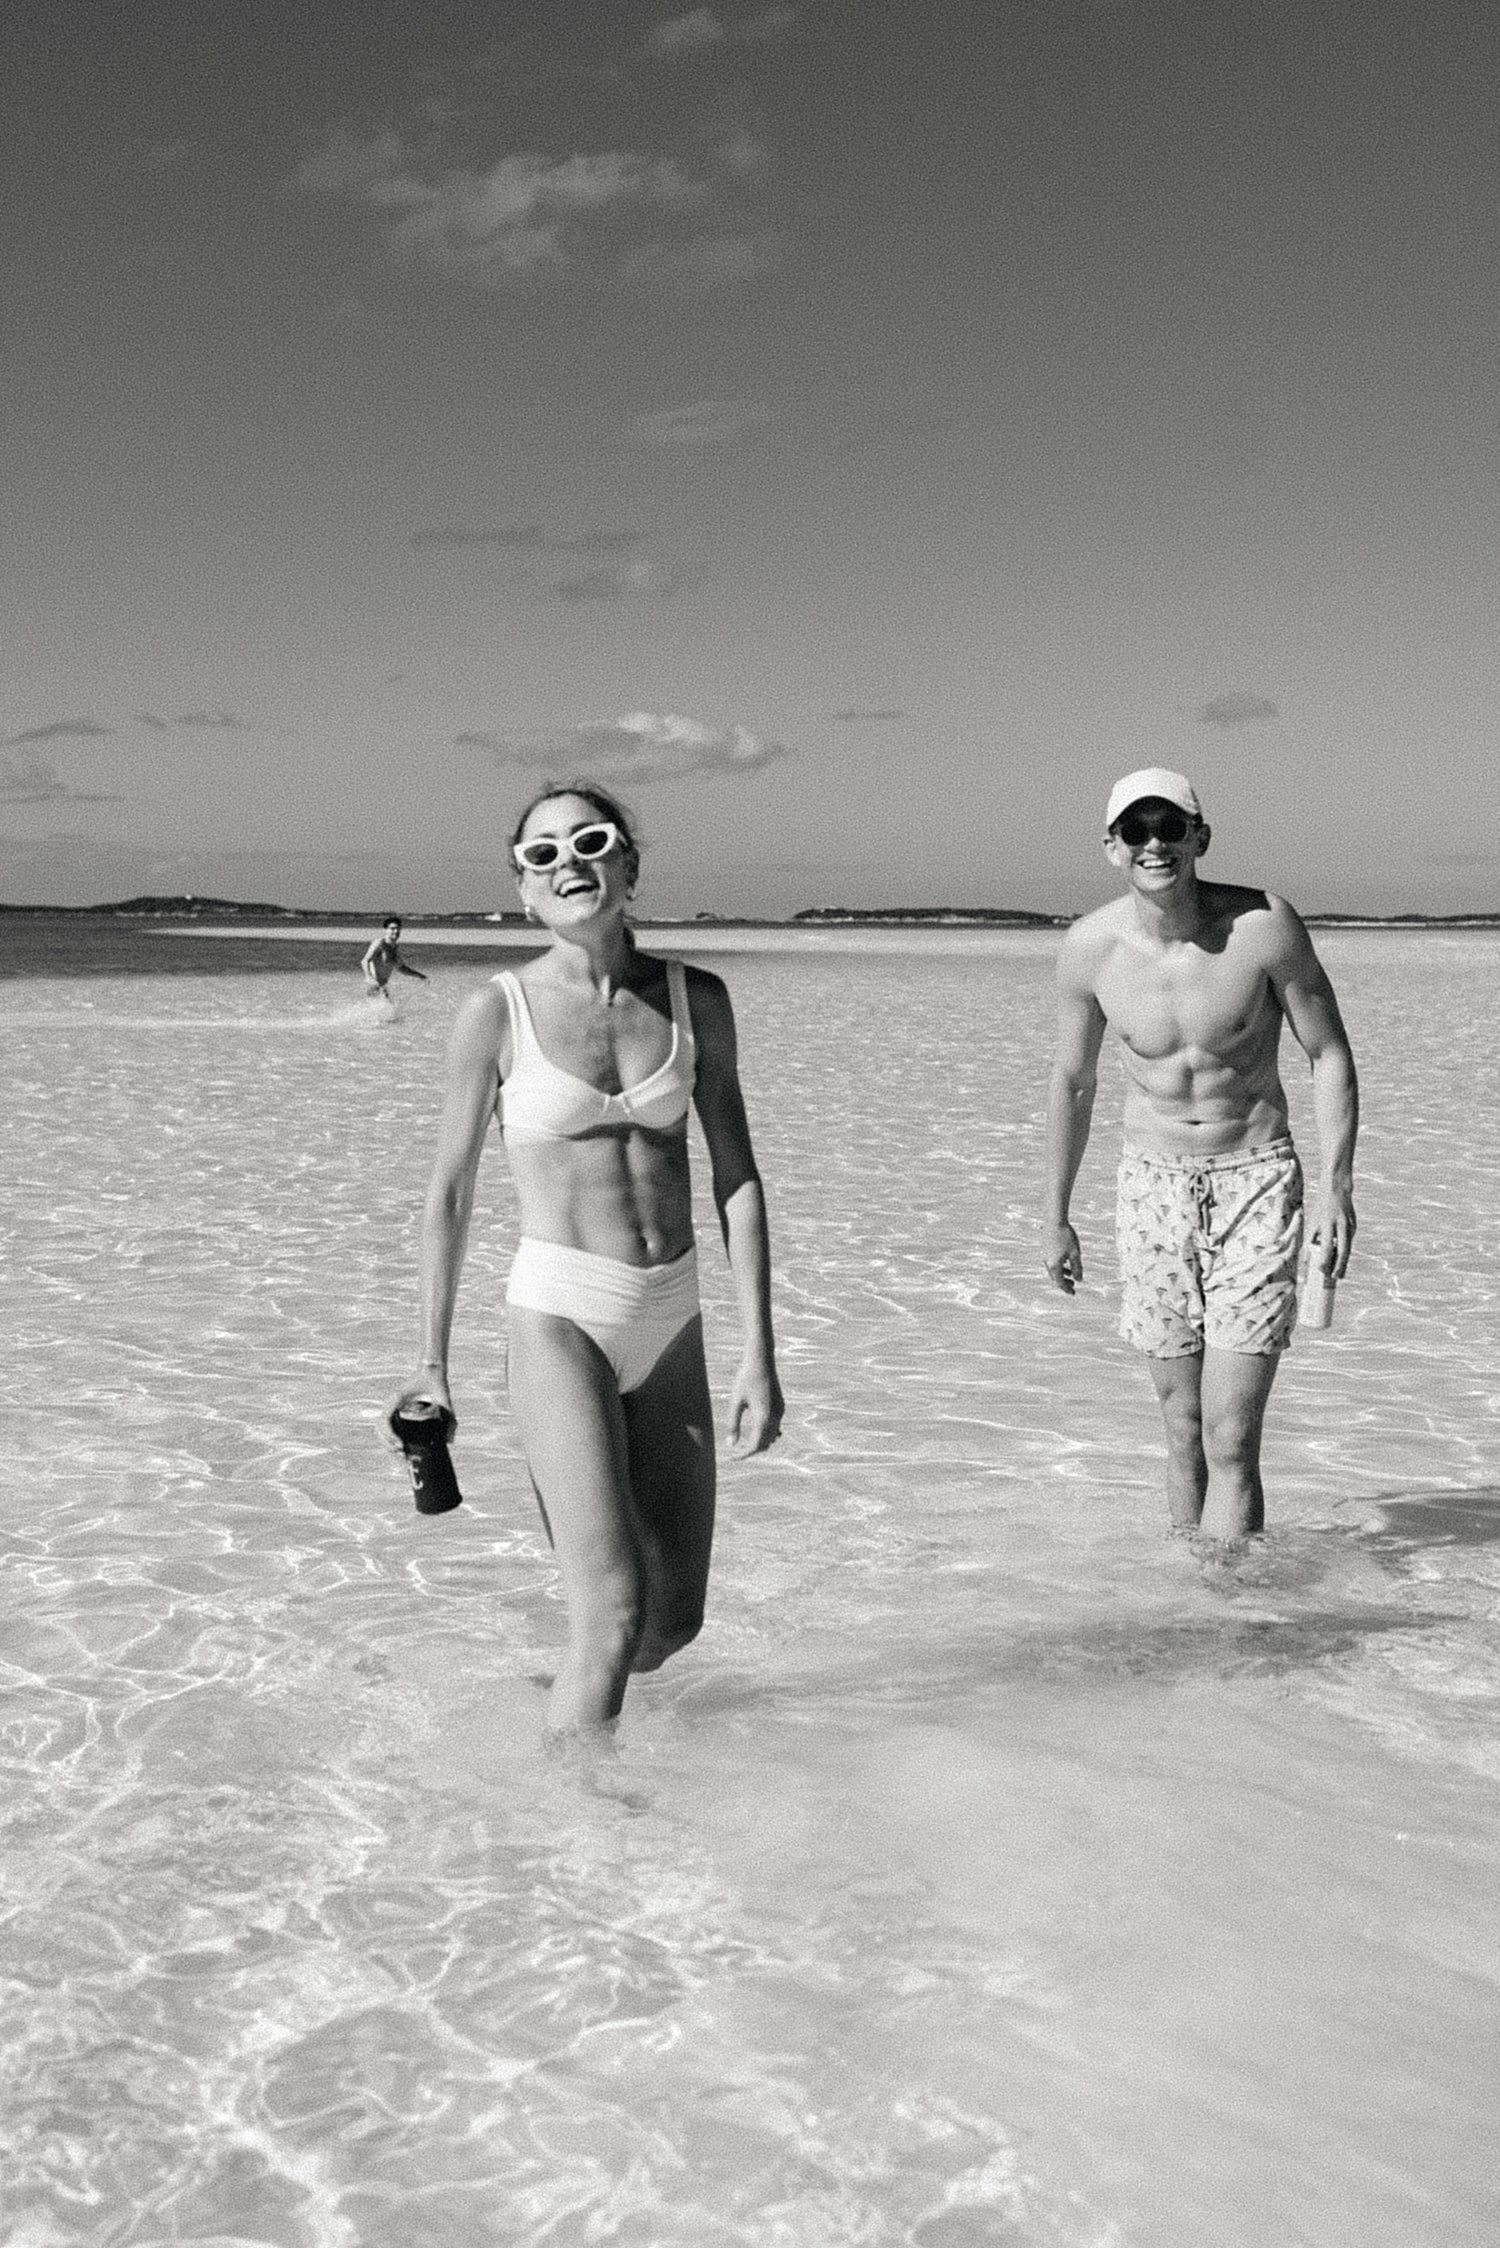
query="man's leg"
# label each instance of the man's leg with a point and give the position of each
(1235, 1390)
(1250, 1291)
(1178, 1384)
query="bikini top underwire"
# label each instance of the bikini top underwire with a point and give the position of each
(539, 1101)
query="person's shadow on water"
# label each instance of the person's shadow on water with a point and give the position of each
(1275, 1612)
(1417, 1521)
(1278, 1575)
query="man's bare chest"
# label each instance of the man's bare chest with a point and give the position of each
(1188, 1000)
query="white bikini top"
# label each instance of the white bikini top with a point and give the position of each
(539, 1101)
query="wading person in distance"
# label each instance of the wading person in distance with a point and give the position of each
(383, 960)
(591, 1056)
(1197, 978)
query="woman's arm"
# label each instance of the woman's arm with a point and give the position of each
(473, 1083)
(755, 1401)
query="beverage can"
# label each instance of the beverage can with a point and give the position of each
(1316, 1308)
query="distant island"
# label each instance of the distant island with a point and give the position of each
(190, 907)
(1403, 920)
(928, 917)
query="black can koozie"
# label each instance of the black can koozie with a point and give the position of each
(423, 1431)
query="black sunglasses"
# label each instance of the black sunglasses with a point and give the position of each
(1169, 825)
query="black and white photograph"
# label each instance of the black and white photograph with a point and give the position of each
(750, 994)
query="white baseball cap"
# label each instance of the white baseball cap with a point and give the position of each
(1153, 780)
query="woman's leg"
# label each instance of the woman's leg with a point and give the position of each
(670, 1438)
(571, 1422)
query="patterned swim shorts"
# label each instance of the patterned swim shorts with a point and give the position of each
(1208, 1250)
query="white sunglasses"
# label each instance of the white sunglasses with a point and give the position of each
(543, 852)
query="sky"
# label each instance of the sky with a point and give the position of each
(855, 432)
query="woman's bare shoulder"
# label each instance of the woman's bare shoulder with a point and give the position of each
(482, 1024)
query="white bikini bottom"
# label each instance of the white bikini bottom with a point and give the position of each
(633, 1312)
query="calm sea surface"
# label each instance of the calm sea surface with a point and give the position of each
(995, 1869)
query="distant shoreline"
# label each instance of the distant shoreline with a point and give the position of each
(206, 916)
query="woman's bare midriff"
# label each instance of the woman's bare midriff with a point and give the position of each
(616, 1193)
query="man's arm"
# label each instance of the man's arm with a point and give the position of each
(1070, 1107)
(1301, 984)
(401, 964)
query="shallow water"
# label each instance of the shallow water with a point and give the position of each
(994, 1869)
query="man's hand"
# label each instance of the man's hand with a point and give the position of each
(756, 1406)
(1332, 1242)
(1063, 1258)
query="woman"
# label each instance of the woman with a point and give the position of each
(593, 1053)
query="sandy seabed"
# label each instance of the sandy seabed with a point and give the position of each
(995, 1869)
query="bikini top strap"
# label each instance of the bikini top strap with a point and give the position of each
(520, 1019)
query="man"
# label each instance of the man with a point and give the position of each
(383, 960)
(1196, 978)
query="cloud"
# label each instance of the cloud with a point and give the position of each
(651, 218)
(63, 729)
(641, 746)
(707, 421)
(92, 729)
(196, 722)
(689, 34)
(699, 31)
(31, 780)
(523, 212)
(1237, 709)
(867, 717)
